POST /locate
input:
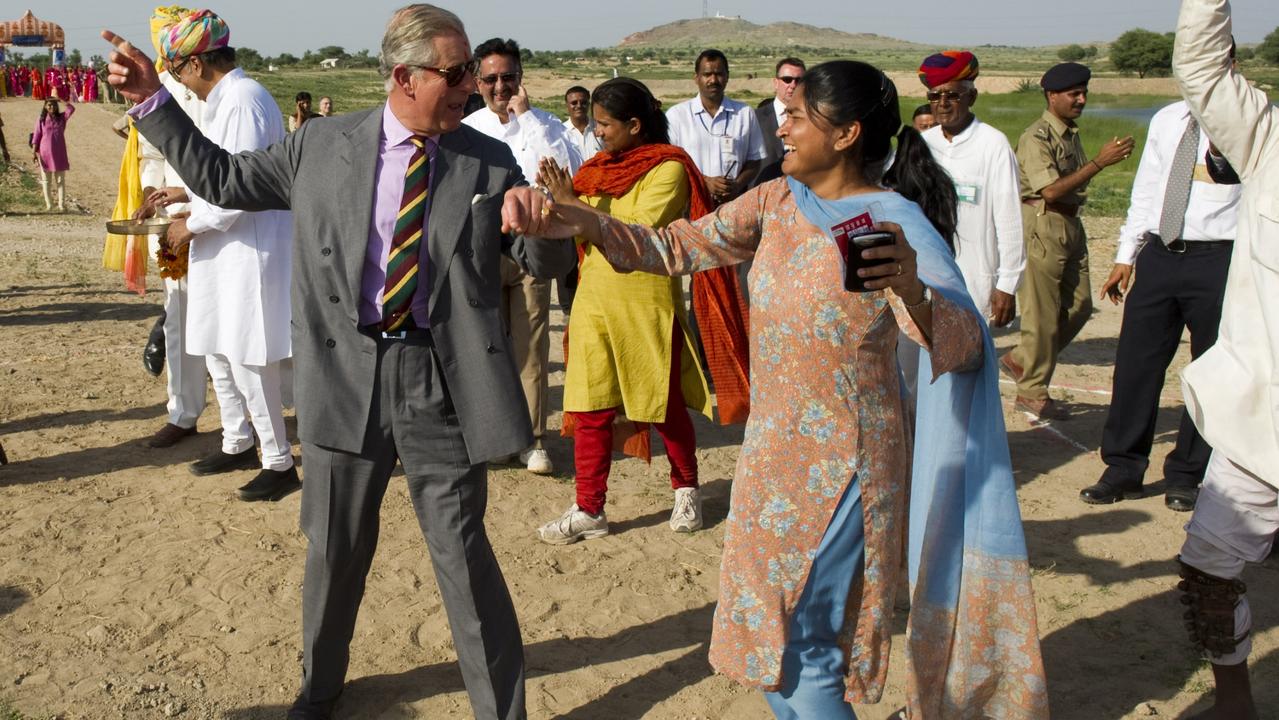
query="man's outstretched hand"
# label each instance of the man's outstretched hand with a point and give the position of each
(129, 70)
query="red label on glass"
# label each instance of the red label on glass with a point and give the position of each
(852, 227)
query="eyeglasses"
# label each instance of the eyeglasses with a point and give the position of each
(788, 79)
(935, 96)
(176, 70)
(453, 76)
(509, 78)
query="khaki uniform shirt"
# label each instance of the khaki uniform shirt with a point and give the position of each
(1048, 151)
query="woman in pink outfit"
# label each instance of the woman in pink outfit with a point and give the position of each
(49, 145)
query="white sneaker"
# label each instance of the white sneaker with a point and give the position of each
(537, 461)
(572, 526)
(687, 514)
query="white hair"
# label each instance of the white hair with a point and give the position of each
(410, 37)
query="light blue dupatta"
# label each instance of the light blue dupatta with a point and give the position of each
(972, 639)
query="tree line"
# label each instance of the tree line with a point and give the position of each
(1145, 52)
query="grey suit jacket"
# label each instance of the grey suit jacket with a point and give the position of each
(324, 173)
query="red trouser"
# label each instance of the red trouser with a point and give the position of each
(593, 441)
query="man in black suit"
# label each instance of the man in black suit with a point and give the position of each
(772, 113)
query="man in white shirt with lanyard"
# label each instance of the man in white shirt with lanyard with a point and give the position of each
(721, 135)
(1177, 242)
(532, 134)
(988, 240)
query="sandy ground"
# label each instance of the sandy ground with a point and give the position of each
(131, 589)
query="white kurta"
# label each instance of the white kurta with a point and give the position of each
(155, 171)
(532, 136)
(1232, 391)
(240, 266)
(989, 247)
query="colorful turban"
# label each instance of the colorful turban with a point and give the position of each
(947, 67)
(163, 18)
(199, 32)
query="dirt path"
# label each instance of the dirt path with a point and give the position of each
(131, 589)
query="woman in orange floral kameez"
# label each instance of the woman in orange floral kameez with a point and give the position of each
(814, 538)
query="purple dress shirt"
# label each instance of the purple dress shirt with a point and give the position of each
(393, 155)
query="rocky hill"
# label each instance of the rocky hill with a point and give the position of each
(738, 33)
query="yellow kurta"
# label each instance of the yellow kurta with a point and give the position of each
(620, 330)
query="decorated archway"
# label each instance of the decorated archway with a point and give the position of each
(31, 31)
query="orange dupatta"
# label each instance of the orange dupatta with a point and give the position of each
(722, 315)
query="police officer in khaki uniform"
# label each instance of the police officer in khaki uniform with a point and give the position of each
(1055, 295)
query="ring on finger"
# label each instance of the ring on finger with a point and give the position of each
(899, 269)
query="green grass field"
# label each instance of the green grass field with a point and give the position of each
(19, 193)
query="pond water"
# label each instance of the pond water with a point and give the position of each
(1139, 115)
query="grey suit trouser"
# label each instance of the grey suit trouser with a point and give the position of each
(412, 419)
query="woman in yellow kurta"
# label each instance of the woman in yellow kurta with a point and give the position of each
(629, 346)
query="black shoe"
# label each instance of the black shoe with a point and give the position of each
(1104, 494)
(1181, 499)
(220, 462)
(303, 710)
(270, 485)
(153, 353)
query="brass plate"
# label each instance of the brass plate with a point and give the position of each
(150, 226)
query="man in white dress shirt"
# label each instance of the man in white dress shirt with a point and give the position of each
(1232, 390)
(580, 124)
(238, 312)
(532, 134)
(988, 238)
(1177, 244)
(721, 135)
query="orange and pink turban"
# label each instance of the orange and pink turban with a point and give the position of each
(197, 33)
(947, 67)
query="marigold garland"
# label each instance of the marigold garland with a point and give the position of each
(173, 266)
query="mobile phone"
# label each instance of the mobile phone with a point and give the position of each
(856, 244)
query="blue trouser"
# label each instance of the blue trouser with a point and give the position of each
(813, 664)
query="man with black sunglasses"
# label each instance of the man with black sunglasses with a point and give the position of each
(531, 134)
(396, 335)
(772, 113)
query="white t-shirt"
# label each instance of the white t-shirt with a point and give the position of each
(988, 239)
(719, 145)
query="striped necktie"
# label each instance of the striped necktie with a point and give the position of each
(402, 260)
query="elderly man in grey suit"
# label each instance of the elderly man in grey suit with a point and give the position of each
(398, 341)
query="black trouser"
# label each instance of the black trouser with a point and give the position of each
(1171, 291)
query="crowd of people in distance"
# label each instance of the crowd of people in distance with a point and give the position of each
(847, 267)
(61, 82)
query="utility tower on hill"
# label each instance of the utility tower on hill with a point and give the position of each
(706, 11)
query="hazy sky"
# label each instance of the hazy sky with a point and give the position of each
(275, 26)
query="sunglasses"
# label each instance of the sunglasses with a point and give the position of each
(508, 78)
(935, 96)
(788, 79)
(453, 76)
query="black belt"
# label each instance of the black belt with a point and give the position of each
(416, 336)
(1180, 247)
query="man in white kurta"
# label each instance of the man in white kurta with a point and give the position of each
(531, 134)
(238, 284)
(188, 378)
(1232, 390)
(989, 247)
